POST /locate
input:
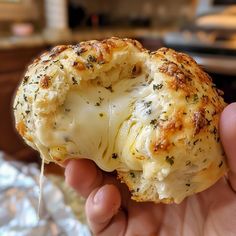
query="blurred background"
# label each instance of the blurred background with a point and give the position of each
(206, 29)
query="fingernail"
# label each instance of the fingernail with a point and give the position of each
(98, 197)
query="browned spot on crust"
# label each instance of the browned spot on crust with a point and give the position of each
(163, 50)
(36, 60)
(108, 45)
(207, 76)
(219, 108)
(167, 129)
(179, 82)
(136, 43)
(180, 57)
(174, 125)
(203, 77)
(107, 48)
(184, 62)
(199, 120)
(100, 57)
(171, 69)
(21, 128)
(141, 158)
(79, 65)
(29, 138)
(45, 61)
(111, 44)
(205, 100)
(79, 49)
(58, 49)
(162, 144)
(183, 59)
(45, 82)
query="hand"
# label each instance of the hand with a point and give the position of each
(111, 212)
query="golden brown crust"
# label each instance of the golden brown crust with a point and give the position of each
(199, 120)
(151, 116)
(21, 128)
(45, 82)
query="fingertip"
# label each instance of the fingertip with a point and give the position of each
(228, 112)
(104, 201)
(228, 121)
(228, 134)
(81, 175)
(228, 138)
(102, 205)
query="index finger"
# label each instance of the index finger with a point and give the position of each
(83, 175)
(228, 138)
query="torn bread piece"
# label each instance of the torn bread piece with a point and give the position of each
(152, 117)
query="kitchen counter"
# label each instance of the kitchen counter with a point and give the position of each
(13, 42)
(128, 33)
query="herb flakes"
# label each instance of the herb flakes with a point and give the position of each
(147, 104)
(80, 50)
(99, 102)
(91, 58)
(187, 98)
(221, 163)
(170, 160)
(157, 86)
(132, 174)
(187, 163)
(154, 122)
(109, 88)
(114, 156)
(75, 82)
(25, 80)
(194, 143)
(25, 98)
(195, 98)
(89, 65)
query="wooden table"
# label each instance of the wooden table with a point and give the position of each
(13, 64)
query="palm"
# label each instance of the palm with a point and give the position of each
(209, 213)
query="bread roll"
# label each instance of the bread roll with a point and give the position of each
(152, 117)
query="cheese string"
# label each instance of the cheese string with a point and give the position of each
(40, 186)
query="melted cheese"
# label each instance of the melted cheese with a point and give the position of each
(40, 186)
(90, 120)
